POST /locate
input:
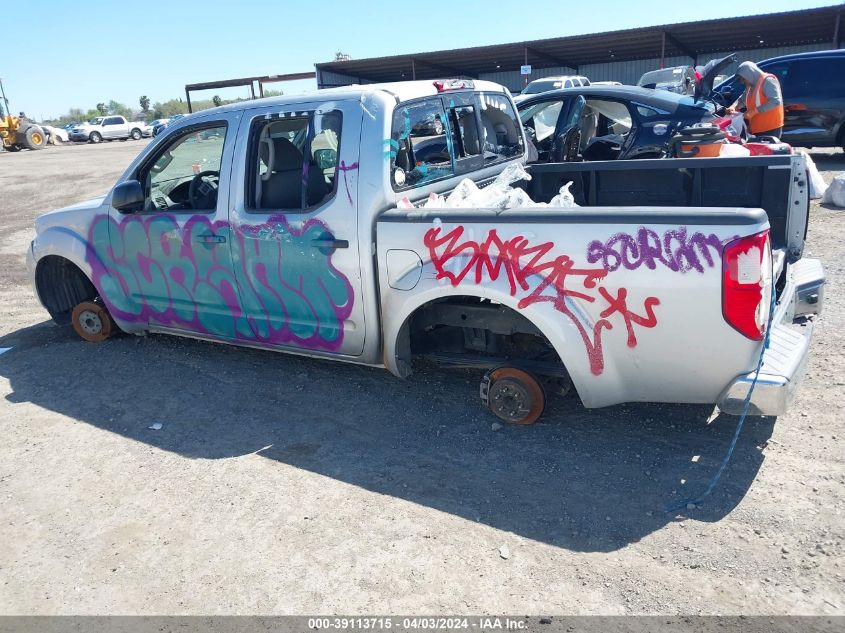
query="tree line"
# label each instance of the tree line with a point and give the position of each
(148, 111)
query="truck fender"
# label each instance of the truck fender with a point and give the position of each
(58, 242)
(561, 333)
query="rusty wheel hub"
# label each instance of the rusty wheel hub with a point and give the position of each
(513, 395)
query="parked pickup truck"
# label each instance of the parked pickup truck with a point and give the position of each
(279, 224)
(108, 128)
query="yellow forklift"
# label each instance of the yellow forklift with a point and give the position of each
(16, 132)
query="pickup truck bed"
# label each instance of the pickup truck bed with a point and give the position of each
(758, 182)
(625, 288)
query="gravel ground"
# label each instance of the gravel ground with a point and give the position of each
(286, 485)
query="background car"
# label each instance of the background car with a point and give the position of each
(55, 135)
(608, 122)
(813, 86)
(555, 83)
(158, 129)
(430, 125)
(154, 124)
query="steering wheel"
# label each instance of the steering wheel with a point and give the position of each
(202, 192)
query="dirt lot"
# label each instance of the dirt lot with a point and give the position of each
(286, 485)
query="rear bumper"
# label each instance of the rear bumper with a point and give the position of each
(786, 357)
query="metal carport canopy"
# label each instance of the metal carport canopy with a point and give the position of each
(789, 28)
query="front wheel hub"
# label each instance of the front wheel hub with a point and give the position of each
(92, 321)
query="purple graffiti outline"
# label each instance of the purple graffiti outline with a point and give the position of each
(647, 248)
(344, 168)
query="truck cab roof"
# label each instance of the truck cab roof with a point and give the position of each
(402, 91)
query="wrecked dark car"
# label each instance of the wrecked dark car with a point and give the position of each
(617, 122)
(608, 122)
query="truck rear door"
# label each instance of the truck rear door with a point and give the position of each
(294, 218)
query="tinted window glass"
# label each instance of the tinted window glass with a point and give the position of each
(823, 78)
(783, 72)
(500, 128)
(420, 148)
(645, 111)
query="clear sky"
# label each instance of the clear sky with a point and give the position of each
(73, 54)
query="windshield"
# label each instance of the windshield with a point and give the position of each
(665, 76)
(536, 87)
(96, 121)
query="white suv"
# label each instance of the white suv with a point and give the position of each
(555, 83)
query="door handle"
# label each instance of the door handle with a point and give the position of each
(211, 239)
(329, 243)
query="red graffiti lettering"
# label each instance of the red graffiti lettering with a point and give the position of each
(454, 259)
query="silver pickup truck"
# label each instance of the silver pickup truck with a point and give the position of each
(108, 128)
(284, 224)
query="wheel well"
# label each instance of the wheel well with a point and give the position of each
(469, 331)
(61, 286)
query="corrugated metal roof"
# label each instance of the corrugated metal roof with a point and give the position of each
(688, 39)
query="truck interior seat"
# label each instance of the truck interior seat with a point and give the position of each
(283, 188)
(589, 125)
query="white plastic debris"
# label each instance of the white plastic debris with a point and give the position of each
(732, 150)
(465, 190)
(156, 426)
(737, 126)
(817, 184)
(835, 193)
(434, 202)
(499, 194)
(564, 198)
(504, 552)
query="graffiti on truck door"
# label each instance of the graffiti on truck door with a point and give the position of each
(149, 269)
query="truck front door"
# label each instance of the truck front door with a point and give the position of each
(167, 265)
(112, 127)
(295, 248)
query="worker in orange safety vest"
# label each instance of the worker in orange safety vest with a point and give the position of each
(762, 101)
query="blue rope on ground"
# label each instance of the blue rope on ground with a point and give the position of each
(746, 405)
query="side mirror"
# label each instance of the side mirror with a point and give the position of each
(128, 197)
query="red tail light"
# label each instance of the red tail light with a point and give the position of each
(747, 284)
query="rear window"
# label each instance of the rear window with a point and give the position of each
(420, 147)
(440, 137)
